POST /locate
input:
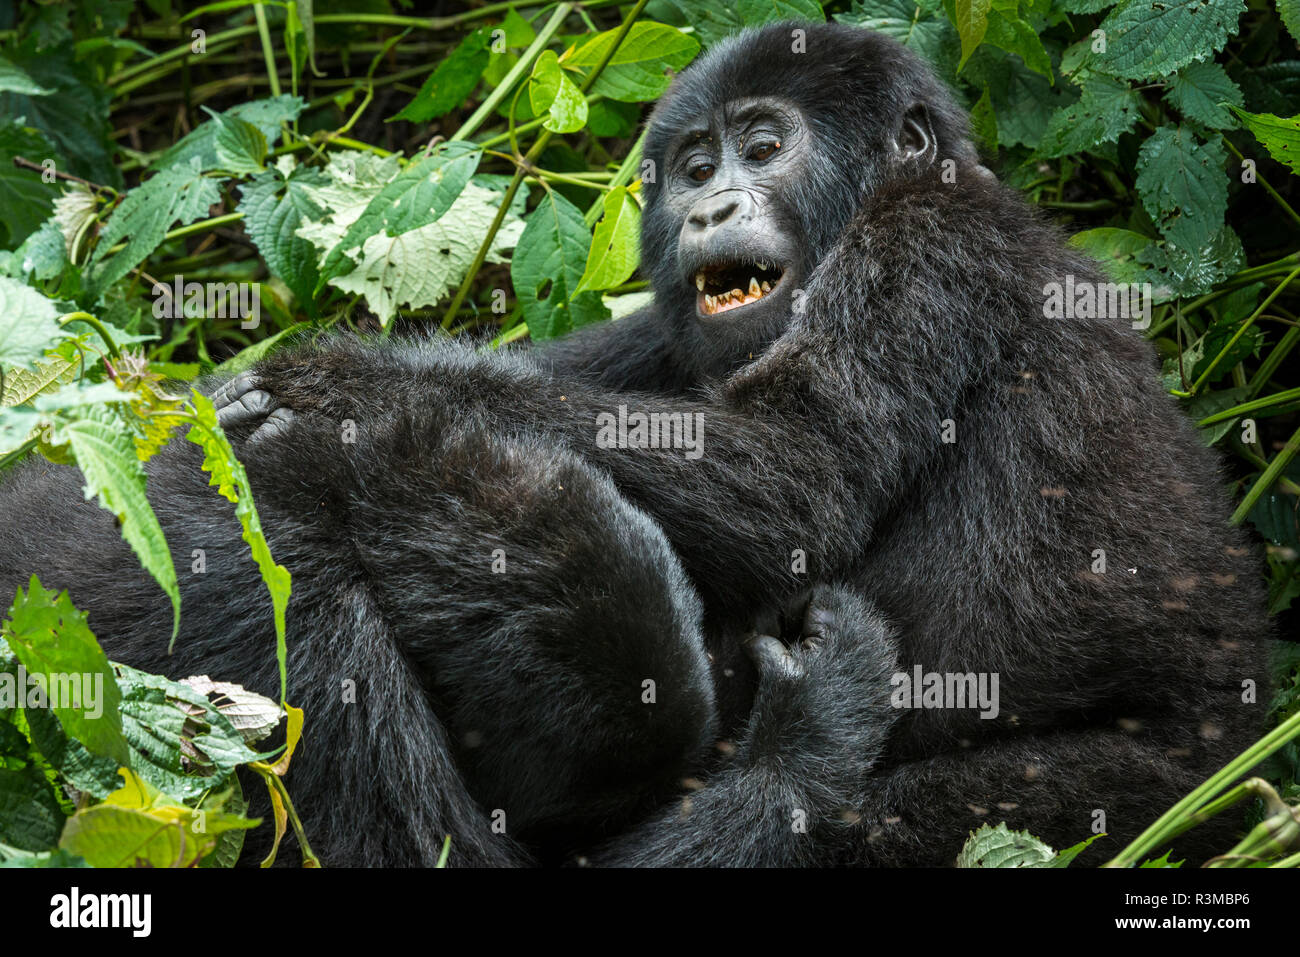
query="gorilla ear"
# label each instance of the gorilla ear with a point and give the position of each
(915, 140)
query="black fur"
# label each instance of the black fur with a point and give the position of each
(922, 303)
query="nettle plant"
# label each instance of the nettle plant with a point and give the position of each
(183, 190)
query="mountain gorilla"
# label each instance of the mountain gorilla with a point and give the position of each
(853, 308)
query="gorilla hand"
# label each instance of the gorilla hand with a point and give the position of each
(242, 405)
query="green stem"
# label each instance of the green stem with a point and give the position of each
(268, 51)
(1277, 398)
(1265, 481)
(1156, 834)
(177, 53)
(1274, 359)
(481, 256)
(524, 65)
(1259, 178)
(95, 324)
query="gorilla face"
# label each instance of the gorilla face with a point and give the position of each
(738, 245)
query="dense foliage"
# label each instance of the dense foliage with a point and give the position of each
(181, 190)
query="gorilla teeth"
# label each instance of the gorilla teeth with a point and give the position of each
(699, 281)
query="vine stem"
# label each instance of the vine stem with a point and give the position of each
(481, 256)
(268, 51)
(1265, 481)
(1259, 177)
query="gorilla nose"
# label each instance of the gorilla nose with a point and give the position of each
(715, 210)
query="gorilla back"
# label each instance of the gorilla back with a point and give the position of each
(499, 608)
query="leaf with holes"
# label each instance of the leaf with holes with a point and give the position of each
(615, 250)
(1147, 38)
(548, 265)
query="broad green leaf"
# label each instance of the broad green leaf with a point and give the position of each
(419, 267)
(1289, 11)
(51, 639)
(548, 265)
(984, 123)
(231, 480)
(180, 194)
(452, 81)
(1280, 135)
(59, 367)
(1001, 847)
(274, 206)
(972, 23)
(1107, 109)
(30, 815)
(612, 118)
(267, 115)
(756, 12)
(1150, 38)
(417, 196)
(241, 146)
(1193, 270)
(636, 72)
(932, 37)
(1198, 92)
(28, 324)
(551, 92)
(615, 248)
(1006, 31)
(25, 197)
(1115, 249)
(14, 79)
(1183, 186)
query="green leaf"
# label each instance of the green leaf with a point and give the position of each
(14, 79)
(25, 197)
(1150, 38)
(231, 480)
(51, 639)
(550, 91)
(1115, 249)
(615, 248)
(30, 816)
(1008, 32)
(1107, 109)
(1001, 847)
(636, 72)
(417, 196)
(274, 206)
(933, 38)
(241, 146)
(971, 20)
(1279, 135)
(548, 264)
(1182, 185)
(179, 194)
(452, 81)
(28, 323)
(757, 12)
(104, 451)
(1198, 91)
(983, 122)
(1289, 11)
(612, 118)
(267, 115)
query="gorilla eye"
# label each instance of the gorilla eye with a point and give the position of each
(764, 150)
(702, 172)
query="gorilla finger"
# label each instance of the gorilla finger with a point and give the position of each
(773, 658)
(276, 426)
(247, 408)
(233, 389)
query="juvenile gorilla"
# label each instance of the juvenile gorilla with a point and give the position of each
(832, 304)
(840, 287)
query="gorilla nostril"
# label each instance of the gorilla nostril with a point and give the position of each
(712, 212)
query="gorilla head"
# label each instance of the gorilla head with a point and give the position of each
(753, 167)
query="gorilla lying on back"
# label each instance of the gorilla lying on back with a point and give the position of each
(839, 287)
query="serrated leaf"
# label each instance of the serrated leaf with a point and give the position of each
(105, 453)
(28, 323)
(417, 197)
(757, 12)
(267, 115)
(1198, 92)
(230, 479)
(274, 207)
(241, 146)
(615, 247)
(548, 265)
(1001, 847)
(1106, 109)
(636, 72)
(933, 38)
(1148, 38)
(452, 81)
(1279, 135)
(51, 639)
(553, 93)
(1289, 11)
(1183, 186)
(179, 194)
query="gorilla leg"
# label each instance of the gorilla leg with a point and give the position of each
(565, 685)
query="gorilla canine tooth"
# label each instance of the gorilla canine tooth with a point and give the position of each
(699, 281)
(754, 289)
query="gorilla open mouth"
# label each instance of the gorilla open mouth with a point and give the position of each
(733, 285)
